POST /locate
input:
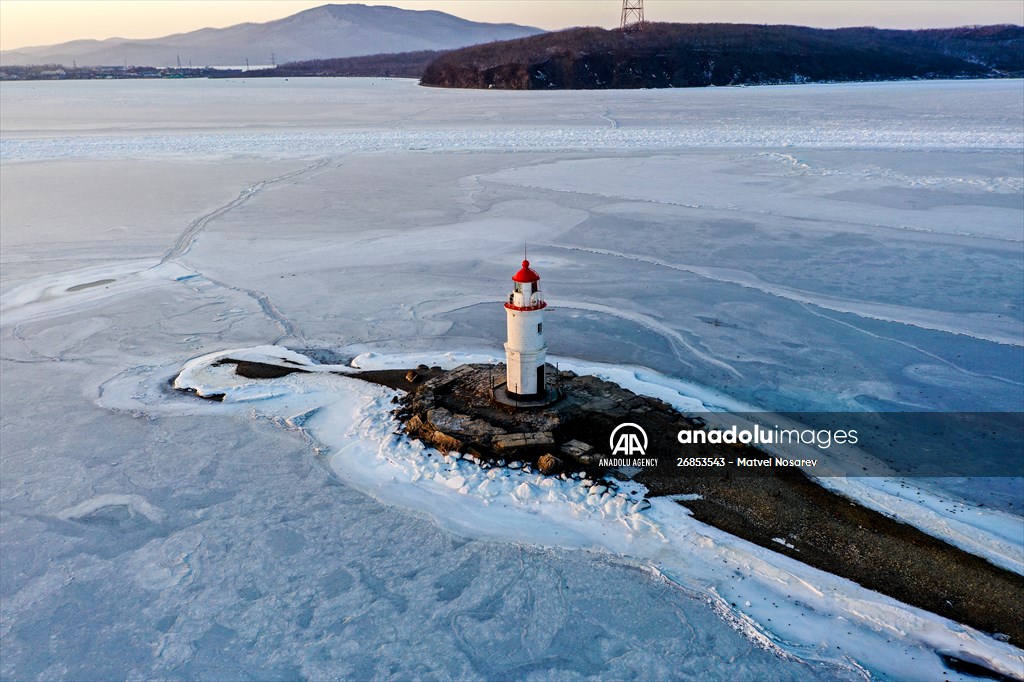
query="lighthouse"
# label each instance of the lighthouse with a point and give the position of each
(525, 350)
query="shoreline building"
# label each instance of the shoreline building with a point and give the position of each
(525, 350)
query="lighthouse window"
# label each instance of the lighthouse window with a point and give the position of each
(519, 288)
(540, 327)
(533, 287)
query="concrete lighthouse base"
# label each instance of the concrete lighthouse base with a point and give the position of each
(501, 395)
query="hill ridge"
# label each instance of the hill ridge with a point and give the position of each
(693, 55)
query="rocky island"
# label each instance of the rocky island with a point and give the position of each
(454, 411)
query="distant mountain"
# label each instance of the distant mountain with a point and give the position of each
(694, 55)
(320, 33)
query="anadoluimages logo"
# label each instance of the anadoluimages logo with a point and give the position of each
(628, 439)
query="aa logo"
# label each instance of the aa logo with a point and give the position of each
(628, 439)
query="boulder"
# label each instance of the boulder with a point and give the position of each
(549, 465)
(422, 400)
(541, 438)
(523, 440)
(412, 376)
(444, 442)
(459, 374)
(509, 441)
(575, 449)
(462, 424)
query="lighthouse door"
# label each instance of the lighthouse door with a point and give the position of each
(540, 380)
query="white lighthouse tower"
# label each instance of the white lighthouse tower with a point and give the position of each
(525, 350)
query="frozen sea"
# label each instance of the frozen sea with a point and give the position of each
(793, 248)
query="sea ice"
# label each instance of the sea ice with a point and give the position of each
(799, 248)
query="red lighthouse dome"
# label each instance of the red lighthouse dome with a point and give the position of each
(526, 275)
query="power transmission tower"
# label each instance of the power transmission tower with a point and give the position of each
(632, 15)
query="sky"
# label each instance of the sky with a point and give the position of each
(44, 22)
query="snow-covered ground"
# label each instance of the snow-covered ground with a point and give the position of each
(792, 248)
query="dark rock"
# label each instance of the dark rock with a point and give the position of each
(462, 424)
(575, 449)
(259, 370)
(523, 440)
(510, 441)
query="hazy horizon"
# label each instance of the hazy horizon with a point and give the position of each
(29, 23)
